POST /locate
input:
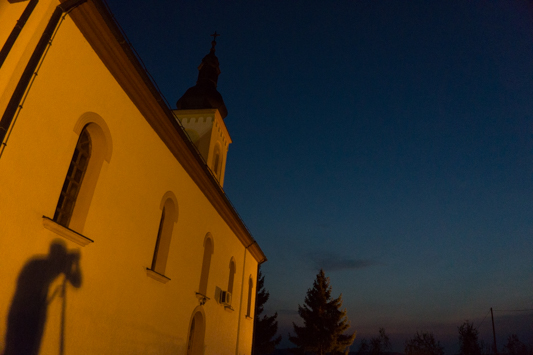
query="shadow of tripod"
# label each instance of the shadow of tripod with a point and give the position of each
(28, 311)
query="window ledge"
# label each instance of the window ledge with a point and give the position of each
(157, 276)
(65, 232)
(228, 308)
(248, 317)
(202, 298)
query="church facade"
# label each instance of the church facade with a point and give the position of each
(116, 236)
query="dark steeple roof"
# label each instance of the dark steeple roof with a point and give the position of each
(204, 94)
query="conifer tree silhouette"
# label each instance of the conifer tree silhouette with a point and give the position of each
(324, 323)
(265, 327)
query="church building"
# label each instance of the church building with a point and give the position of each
(116, 236)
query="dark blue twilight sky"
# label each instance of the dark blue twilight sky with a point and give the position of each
(389, 142)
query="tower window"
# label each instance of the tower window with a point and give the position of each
(74, 179)
(216, 162)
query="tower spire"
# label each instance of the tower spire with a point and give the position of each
(205, 94)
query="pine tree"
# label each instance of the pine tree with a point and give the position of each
(324, 323)
(265, 327)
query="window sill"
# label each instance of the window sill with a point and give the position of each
(157, 276)
(65, 232)
(248, 317)
(228, 308)
(202, 298)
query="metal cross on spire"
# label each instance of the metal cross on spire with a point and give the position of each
(215, 35)
(214, 42)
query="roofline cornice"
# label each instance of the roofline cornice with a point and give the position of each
(99, 28)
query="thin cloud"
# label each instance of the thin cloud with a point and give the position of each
(337, 262)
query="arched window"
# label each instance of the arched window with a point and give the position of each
(76, 173)
(206, 263)
(250, 288)
(216, 161)
(232, 270)
(164, 235)
(93, 147)
(195, 343)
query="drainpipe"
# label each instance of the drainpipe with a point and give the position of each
(16, 30)
(25, 79)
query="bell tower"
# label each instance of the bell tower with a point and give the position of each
(201, 111)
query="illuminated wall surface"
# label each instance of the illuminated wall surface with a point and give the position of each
(94, 287)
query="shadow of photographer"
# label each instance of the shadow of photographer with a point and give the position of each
(27, 315)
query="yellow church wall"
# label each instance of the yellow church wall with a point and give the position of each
(118, 309)
(27, 39)
(246, 328)
(9, 14)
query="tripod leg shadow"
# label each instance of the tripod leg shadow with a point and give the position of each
(28, 312)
